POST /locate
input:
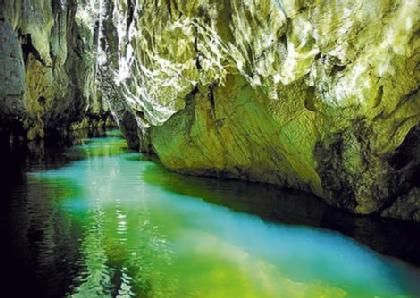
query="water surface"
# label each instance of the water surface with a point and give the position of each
(101, 221)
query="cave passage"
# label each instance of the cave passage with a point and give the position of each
(98, 220)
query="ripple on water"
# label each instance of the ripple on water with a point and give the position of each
(115, 223)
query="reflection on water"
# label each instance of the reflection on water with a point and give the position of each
(112, 223)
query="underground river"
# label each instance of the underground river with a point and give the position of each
(97, 220)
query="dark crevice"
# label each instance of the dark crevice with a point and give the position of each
(176, 7)
(79, 48)
(203, 13)
(128, 126)
(309, 101)
(140, 114)
(198, 54)
(197, 62)
(379, 96)
(28, 48)
(95, 45)
(41, 100)
(168, 5)
(412, 93)
(337, 68)
(408, 152)
(415, 174)
(56, 9)
(196, 40)
(130, 13)
(406, 163)
(96, 34)
(189, 99)
(173, 9)
(212, 99)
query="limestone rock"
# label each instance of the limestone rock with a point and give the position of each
(12, 77)
(321, 96)
(313, 95)
(48, 66)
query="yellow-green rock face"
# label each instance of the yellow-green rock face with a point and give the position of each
(318, 95)
(230, 131)
(313, 95)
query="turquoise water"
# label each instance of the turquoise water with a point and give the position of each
(122, 226)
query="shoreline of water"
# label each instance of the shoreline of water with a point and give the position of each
(102, 219)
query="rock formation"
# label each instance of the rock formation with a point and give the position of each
(321, 96)
(47, 74)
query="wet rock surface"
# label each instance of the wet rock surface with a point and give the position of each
(12, 76)
(318, 96)
(47, 70)
(311, 95)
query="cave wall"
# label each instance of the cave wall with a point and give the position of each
(320, 96)
(313, 95)
(47, 71)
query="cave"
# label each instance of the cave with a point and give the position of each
(209, 148)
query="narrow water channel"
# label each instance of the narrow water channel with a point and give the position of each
(100, 221)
